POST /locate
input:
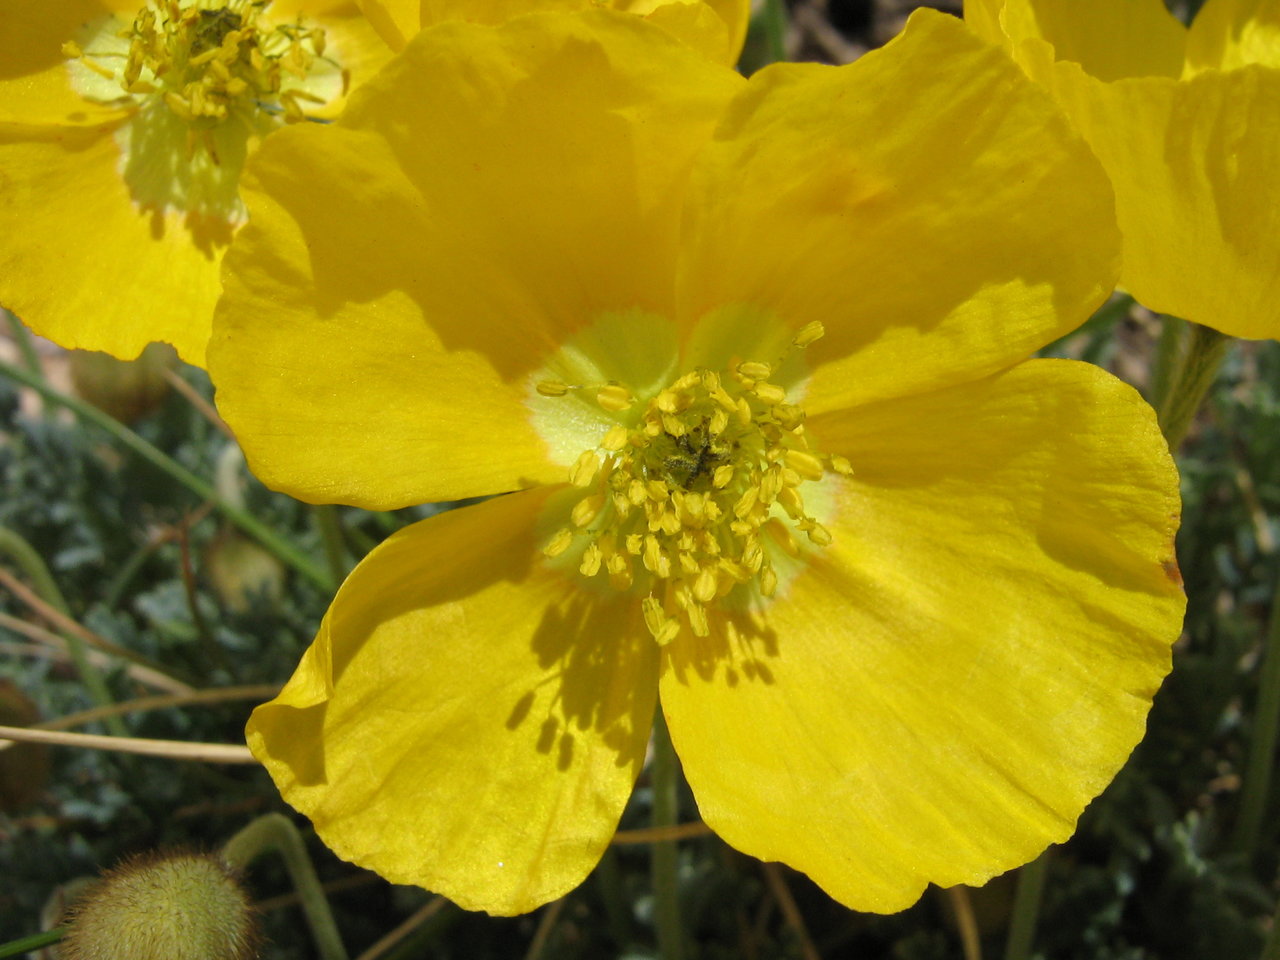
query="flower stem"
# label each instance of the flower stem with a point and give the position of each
(664, 776)
(275, 831)
(1190, 381)
(47, 589)
(1270, 950)
(280, 548)
(1262, 742)
(1026, 908)
(22, 337)
(335, 547)
(37, 941)
(774, 21)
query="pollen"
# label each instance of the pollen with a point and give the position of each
(211, 63)
(694, 491)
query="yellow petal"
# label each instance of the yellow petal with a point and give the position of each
(1110, 39)
(942, 691)
(34, 85)
(395, 20)
(477, 723)
(1229, 34)
(927, 203)
(715, 28)
(1194, 169)
(83, 265)
(405, 271)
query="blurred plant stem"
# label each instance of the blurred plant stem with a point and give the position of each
(37, 941)
(283, 550)
(1026, 908)
(42, 580)
(1271, 949)
(22, 338)
(1189, 381)
(773, 20)
(275, 831)
(335, 545)
(664, 776)
(1262, 742)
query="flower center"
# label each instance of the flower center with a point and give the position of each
(687, 501)
(201, 80)
(208, 61)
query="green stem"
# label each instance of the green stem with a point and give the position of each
(37, 941)
(335, 546)
(1262, 742)
(1190, 381)
(275, 831)
(1026, 908)
(664, 776)
(22, 337)
(774, 21)
(43, 583)
(274, 544)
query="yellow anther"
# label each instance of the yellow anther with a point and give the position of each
(753, 555)
(810, 332)
(788, 415)
(635, 543)
(696, 613)
(841, 466)
(744, 412)
(667, 401)
(586, 510)
(591, 560)
(770, 485)
(722, 397)
(687, 563)
(584, 470)
(805, 465)
(718, 422)
(559, 543)
(770, 393)
(747, 502)
(177, 104)
(615, 439)
(673, 425)
(768, 582)
(791, 501)
(658, 490)
(704, 587)
(695, 505)
(614, 397)
(754, 370)
(722, 475)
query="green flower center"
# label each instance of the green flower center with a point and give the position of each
(686, 501)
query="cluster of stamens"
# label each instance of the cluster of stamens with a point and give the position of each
(208, 61)
(681, 502)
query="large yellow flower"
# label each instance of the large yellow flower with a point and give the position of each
(717, 28)
(748, 353)
(1187, 124)
(124, 125)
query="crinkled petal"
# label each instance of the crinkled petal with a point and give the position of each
(939, 236)
(1194, 167)
(1229, 34)
(715, 28)
(1110, 39)
(467, 720)
(83, 265)
(405, 271)
(941, 692)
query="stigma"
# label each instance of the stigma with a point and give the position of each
(694, 491)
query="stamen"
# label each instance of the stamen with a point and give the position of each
(696, 488)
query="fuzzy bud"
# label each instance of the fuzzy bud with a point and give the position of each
(182, 906)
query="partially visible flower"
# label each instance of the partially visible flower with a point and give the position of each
(750, 355)
(1187, 125)
(716, 28)
(124, 125)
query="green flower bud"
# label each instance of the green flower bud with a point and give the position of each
(182, 906)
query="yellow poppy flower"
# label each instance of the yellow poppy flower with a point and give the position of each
(716, 28)
(1187, 125)
(124, 125)
(748, 353)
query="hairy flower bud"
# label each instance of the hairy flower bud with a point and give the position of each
(182, 906)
